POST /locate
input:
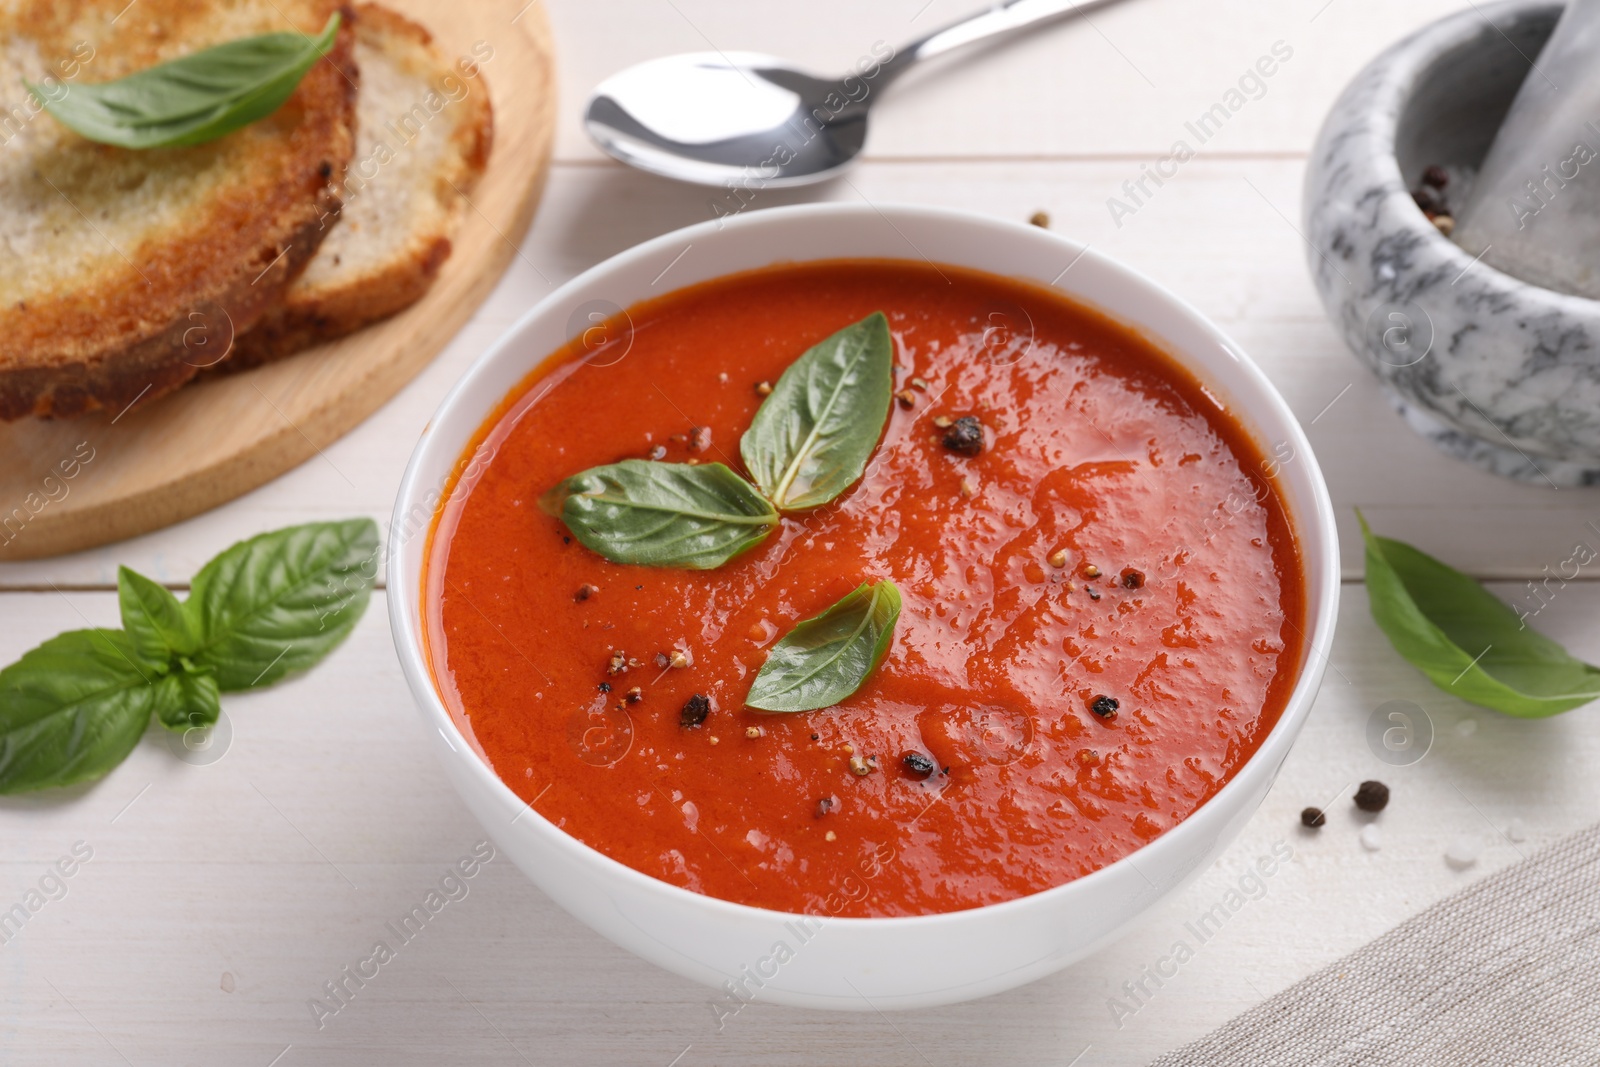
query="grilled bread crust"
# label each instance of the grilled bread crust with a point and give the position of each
(124, 273)
(424, 132)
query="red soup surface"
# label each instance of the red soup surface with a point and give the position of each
(1118, 536)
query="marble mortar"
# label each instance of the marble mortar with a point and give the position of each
(1497, 372)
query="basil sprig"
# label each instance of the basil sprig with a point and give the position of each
(809, 442)
(1468, 642)
(73, 708)
(195, 98)
(827, 657)
(663, 514)
(811, 438)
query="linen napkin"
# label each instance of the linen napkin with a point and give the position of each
(1502, 973)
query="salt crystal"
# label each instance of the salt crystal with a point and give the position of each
(1517, 830)
(1463, 852)
(1371, 839)
(1467, 727)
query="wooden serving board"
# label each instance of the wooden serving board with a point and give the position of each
(210, 442)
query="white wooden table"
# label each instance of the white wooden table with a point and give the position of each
(220, 898)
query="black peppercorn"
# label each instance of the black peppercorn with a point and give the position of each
(1435, 176)
(1372, 796)
(965, 436)
(1104, 706)
(917, 765)
(1428, 199)
(1132, 579)
(1312, 818)
(694, 712)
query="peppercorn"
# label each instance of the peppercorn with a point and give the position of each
(1372, 796)
(965, 436)
(1428, 199)
(585, 591)
(917, 765)
(1435, 176)
(694, 712)
(635, 695)
(1132, 579)
(1040, 219)
(605, 687)
(1104, 706)
(1313, 819)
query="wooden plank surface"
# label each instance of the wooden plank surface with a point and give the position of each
(221, 897)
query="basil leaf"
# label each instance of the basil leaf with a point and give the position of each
(811, 439)
(153, 617)
(195, 98)
(281, 601)
(827, 657)
(72, 709)
(186, 699)
(1467, 641)
(662, 514)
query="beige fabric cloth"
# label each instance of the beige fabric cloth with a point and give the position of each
(1505, 973)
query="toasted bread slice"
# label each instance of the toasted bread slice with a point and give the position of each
(123, 273)
(423, 134)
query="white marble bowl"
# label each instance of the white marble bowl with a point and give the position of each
(849, 963)
(1495, 371)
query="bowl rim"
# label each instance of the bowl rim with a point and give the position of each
(1314, 527)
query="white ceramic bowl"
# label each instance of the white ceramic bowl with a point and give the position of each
(860, 963)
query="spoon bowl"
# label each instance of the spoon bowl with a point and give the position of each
(747, 120)
(770, 124)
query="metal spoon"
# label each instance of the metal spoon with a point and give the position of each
(749, 119)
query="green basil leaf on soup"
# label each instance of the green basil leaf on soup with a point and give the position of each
(1468, 642)
(154, 618)
(72, 709)
(812, 437)
(827, 657)
(194, 98)
(186, 699)
(281, 601)
(662, 514)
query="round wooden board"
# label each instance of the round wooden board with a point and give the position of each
(208, 443)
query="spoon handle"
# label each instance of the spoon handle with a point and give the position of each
(1002, 18)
